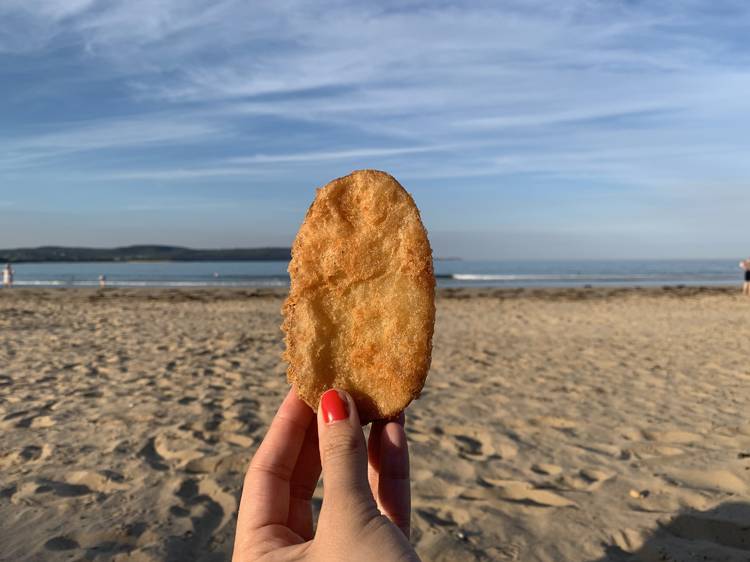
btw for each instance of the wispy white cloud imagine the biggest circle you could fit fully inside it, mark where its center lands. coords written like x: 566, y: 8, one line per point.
x: 335, y: 155
x: 178, y: 204
x: 405, y: 73
x: 572, y: 115
x: 257, y: 165
x: 165, y: 173
x: 650, y: 96
x: 121, y: 132
x: 105, y: 134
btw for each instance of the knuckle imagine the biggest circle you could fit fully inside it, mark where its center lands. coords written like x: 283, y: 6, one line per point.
x: 376, y: 524
x: 279, y: 471
x: 301, y: 491
x: 341, y: 445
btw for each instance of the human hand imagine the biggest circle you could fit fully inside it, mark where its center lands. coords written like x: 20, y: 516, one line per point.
x: 366, y: 498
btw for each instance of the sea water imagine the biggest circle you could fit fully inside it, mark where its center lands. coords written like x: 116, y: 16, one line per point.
x: 449, y: 273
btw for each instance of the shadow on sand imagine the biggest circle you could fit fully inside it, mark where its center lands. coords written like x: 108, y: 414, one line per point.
x: 721, y: 534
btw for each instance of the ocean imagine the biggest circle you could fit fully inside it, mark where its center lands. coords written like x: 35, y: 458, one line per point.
x: 449, y: 273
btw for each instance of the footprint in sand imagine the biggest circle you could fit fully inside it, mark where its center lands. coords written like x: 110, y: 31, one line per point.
x: 115, y: 543
x: 214, y: 421
x: 436, y: 489
x: 104, y: 482
x: 61, y: 489
x: 547, y: 469
x: 27, y: 416
x: 444, y: 517
x: 28, y: 454
x: 505, y: 553
x: 40, y: 422
x: 92, y: 393
x: 52, y: 377
x: 154, y: 459
x: 628, y: 540
x: 712, y: 480
x: 603, y: 449
x: 432, y: 517
x: 416, y: 436
x: 8, y: 419
x: 586, y: 479
x: 188, y: 489
x: 178, y: 446
x: 659, y: 499
x: 235, y: 463
x: 8, y: 491
x: 653, y: 450
x: 674, y: 437
x: 524, y: 492
x: 468, y: 445
x: 593, y: 475
x: 242, y: 441
x: 231, y: 425
x: 472, y: 443
x: 631, y: 433
x: 203, y: 509
x: 421, y: 474
x: 555, y: 422
x: 57, y: 544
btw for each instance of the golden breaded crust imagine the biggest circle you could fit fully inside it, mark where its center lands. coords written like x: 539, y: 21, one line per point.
x: 361, y: 308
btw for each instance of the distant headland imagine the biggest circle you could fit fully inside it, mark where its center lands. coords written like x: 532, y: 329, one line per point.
x: 141, y: 253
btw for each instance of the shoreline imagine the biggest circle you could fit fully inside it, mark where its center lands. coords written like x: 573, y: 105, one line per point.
x: 239, y: 293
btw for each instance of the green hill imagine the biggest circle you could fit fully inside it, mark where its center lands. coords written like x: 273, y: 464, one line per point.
x: 141, y: 253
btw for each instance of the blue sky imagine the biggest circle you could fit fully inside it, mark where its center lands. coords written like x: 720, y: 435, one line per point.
x: 571, y: 129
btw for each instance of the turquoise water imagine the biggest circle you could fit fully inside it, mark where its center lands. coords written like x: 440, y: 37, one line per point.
x: 456, y: 273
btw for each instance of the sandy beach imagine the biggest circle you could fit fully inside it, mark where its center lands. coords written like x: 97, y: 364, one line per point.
x: 582, y: 425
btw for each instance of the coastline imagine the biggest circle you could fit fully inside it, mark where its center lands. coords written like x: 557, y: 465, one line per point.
x: 239, y: 293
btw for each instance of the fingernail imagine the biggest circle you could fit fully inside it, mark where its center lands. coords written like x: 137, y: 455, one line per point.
x: 334, y: 408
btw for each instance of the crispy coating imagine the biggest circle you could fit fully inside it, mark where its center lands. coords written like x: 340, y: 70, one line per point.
x: 361, y: 308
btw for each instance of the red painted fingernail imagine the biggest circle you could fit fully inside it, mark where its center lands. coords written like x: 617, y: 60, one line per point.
x: 334, y: 408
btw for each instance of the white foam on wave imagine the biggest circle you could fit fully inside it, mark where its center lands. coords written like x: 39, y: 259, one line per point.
x: 35, y: 283
x: 566, y: 277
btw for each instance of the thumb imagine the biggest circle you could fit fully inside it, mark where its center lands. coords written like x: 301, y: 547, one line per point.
x: 343, y: 455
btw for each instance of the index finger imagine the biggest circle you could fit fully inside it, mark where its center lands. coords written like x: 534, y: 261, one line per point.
x: 265, y: 495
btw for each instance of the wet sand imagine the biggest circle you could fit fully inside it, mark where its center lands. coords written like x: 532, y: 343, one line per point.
x: 556, y: 425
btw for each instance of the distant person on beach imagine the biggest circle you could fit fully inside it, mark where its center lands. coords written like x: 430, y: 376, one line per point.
x: 745, y: 264
x: 366, y: 501
x: 8, y: 276
x: 102, y: 281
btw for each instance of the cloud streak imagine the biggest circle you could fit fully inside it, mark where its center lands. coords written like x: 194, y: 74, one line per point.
x: 336, y: 155
x: 105, y: 134
x: 481, y: 97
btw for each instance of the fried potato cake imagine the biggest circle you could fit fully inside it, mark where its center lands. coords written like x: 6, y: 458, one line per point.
x: 361, y: 308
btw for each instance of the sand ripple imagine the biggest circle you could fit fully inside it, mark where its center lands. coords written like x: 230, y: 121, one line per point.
x: 560, y: 425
